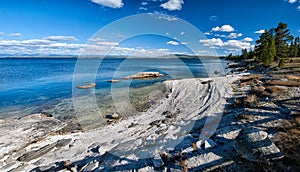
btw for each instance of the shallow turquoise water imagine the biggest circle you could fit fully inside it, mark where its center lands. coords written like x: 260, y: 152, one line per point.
x: 32, y: 85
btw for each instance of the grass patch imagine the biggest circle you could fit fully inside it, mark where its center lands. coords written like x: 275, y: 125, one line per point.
x: 276, y: 90
x: 283, y: 83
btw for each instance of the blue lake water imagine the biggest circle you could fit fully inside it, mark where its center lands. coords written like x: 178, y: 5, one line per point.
x: 31, y: 85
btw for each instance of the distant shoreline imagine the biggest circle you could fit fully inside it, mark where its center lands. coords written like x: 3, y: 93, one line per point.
x: 99, y: 57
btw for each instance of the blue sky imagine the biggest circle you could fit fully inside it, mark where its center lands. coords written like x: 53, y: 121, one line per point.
x: 64, y: 27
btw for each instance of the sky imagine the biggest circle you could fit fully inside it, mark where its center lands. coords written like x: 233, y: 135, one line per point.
x: 74, y: 27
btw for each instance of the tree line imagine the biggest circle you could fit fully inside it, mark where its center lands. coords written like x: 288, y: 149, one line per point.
x: 274, y: 45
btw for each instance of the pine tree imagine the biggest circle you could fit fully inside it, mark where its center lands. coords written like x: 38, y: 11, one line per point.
x: 293, y: 50
x: 282, y: 36
x: 297, y: 44
x: 245, y: 53
x: 265, y: 49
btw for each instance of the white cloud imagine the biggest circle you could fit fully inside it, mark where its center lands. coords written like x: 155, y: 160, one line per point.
x: 224, y: 28
x: 182, y: 33
x: 260, y: 31
x: 143, y: 8
x: 292, y: 1
x: 214, y: 42
x: 96, y: 39
x: 298, y: 7
x: 218, y: 35
x: 165, y: 17
x: 1, y: 33
x: 109, y: 3
x: 235, y: 35
x: 15, y: 34
x: 248, y: 39
x: 61, y: 38
x: 38, y: 46
x: 172, y: 5
x: 140, y: 52
x: 236, y: 45
x: 173, y: 43
x: 144, y: 3
x: 107, y: 43
x: 207, y: 33
x: 298, y: 30
x: 98, y: 46
x: 229, y: 45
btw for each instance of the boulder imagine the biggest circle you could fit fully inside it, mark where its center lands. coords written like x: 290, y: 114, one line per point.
x: 254, y: 145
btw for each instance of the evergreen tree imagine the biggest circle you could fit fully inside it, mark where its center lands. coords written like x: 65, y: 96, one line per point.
x: 251, y: 54
x: 282, y: 36
x: 265, y: 49
x: 293, y: 50
x: 245, y: 53
x: 297, y: 44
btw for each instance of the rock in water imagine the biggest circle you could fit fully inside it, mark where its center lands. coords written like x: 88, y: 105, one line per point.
x: 113, y: 80
x: 144, y: 75
x: 255, y: 145
x: 87, y: 86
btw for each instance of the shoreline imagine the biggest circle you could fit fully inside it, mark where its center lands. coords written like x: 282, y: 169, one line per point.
x: 180, y: 133
x: 149, y: 126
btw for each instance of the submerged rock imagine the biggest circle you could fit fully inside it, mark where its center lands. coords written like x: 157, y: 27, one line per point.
x: 255, y: 145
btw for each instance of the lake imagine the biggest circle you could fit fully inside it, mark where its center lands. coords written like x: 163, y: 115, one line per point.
x: 33, y: 85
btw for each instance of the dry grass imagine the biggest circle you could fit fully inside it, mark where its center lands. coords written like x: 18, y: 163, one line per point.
x: 242, y: 85
x: 250, y: 79
x: 292, y: 65
x: 297, y: 120
x: 283, y: 83
x: 251, y: 100
x: 292, y: 77
x: 289, y: 142
x: 247, y: 116
x: 294, y: 60
x: 287, y: 136
x: 277, y: 90
x: 184, y: 166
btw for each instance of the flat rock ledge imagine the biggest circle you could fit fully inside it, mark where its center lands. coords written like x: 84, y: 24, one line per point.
x: 145, y: 75
x: 17, y: 134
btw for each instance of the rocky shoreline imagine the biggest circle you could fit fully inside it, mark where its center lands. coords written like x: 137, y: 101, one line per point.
x: 201, y: 125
